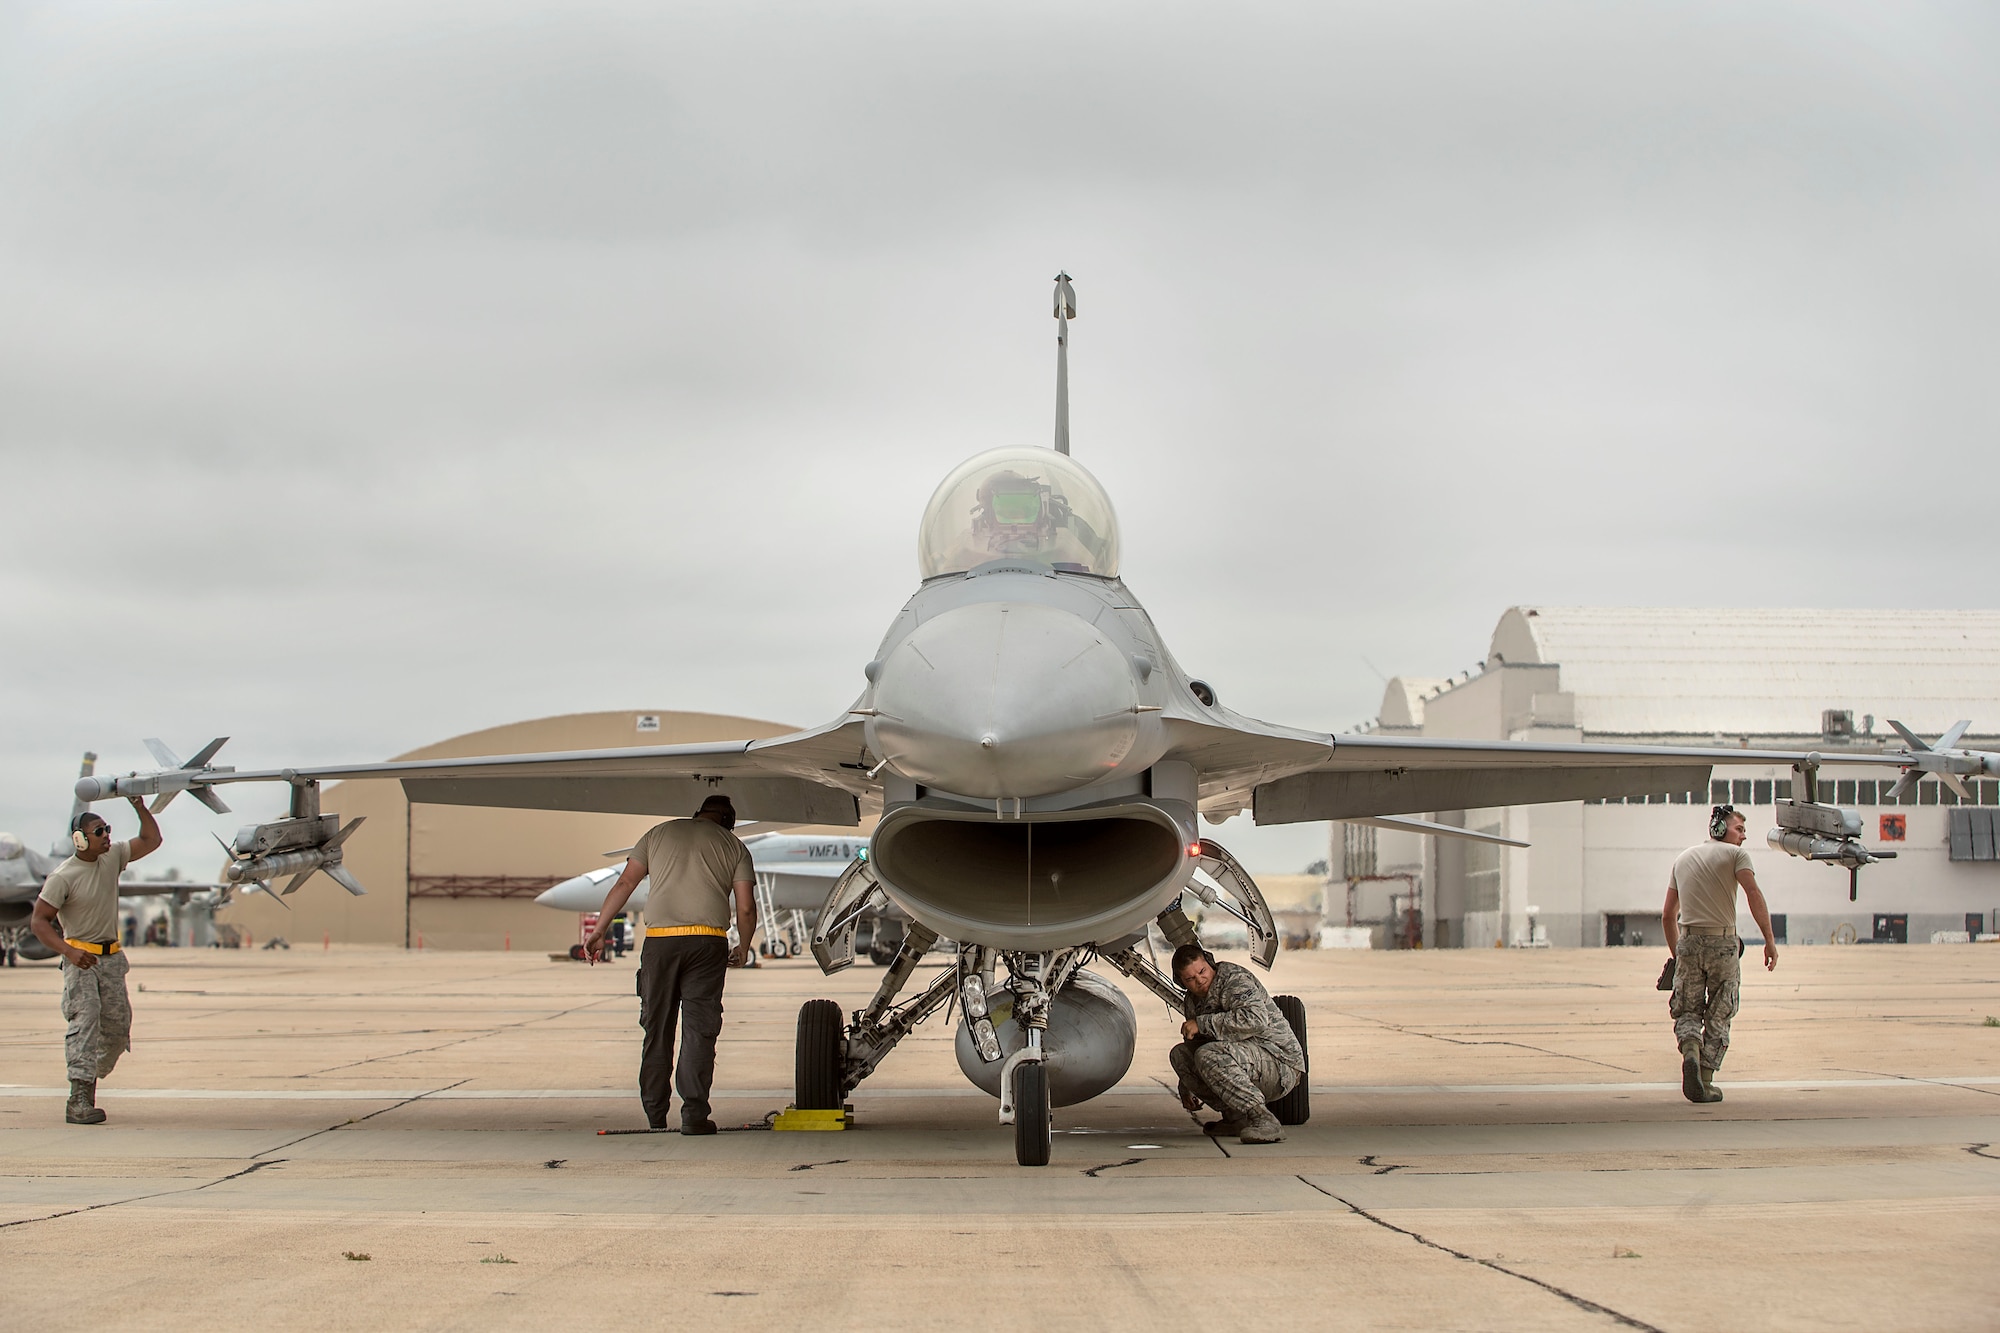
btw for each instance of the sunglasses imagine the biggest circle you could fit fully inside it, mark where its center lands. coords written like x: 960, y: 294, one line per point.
x: 97, y: 831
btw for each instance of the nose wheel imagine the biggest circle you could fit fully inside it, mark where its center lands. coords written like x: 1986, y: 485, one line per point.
x: 817, y: 1073
x: 1034, y: 1128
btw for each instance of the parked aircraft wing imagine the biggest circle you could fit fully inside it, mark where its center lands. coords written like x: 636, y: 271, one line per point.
x: 809, y: 777
x: 1277, y: 773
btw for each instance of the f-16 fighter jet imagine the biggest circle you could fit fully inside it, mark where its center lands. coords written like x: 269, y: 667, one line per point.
x: 1038, y: 761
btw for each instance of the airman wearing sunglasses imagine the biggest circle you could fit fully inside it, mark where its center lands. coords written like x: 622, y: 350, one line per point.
x: 76, y: 915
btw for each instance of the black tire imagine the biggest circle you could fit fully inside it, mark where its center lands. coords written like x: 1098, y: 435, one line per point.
x: 1032, y: 1129
x: 816, y: 1071
x: 1295, y: 1107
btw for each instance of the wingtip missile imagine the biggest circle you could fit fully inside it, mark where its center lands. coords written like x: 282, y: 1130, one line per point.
x: 1943, y: 759
x: 164, y: 783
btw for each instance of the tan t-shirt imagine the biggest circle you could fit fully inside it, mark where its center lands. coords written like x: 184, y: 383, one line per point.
x: 1705, y: 875
x: 692, y: 864
x: 85, y: 894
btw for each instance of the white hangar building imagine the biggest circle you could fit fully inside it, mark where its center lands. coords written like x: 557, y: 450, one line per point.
x: 1596, y: 872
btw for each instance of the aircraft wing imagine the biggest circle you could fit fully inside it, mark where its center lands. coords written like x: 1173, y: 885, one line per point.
x: 1289, y: 776
x: 145, y: 888
x: 807, y: 777
x: 806, y: 869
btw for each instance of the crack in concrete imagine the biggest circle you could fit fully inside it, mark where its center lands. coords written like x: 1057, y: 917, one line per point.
x: 1112, y: 1166
x: 1212, y: 1138
x: 1581, y: 1302
x: 1978, y: 1150
x: 460, y: 1041
x: 807, y: 1166
x: 1918, y: 1078
x: 140, y: 1198
x: 381, y: 1110
x: 1369, y: 1160
x: 1458, y: 1041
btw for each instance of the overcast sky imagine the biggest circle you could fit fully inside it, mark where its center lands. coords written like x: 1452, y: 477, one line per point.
x: 374, y: 373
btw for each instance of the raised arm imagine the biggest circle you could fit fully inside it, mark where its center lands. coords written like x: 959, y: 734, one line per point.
x: 149, y: 838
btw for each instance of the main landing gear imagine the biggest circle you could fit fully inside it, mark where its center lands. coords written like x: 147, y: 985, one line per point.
x: 833, y: 1056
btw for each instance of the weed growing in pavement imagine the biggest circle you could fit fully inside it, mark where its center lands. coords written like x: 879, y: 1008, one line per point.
x: 356, y: 1255
x: 496, y: 1259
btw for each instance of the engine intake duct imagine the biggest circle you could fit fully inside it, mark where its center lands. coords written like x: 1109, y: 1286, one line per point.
x: 1038, y: 882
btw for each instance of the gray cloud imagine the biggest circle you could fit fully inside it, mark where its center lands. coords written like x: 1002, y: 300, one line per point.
x: 370, y: 374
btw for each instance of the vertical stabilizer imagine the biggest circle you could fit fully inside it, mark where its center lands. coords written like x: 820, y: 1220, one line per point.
x: 1065, y: 312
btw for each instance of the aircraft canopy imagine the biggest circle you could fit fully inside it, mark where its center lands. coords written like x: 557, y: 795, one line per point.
x: 1031, y: 504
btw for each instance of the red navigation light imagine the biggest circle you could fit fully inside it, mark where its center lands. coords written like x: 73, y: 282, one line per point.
x: 1194, y: 850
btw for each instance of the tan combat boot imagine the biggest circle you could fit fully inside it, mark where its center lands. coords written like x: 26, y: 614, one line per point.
x: 1261, y: 1127
x: 82, y: 1108
x: 1710, y: 1093
x: 1691, y: 1070
x: 1229, y: 1126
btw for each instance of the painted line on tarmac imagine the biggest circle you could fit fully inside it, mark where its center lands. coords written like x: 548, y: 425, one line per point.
x: 864, y: 1092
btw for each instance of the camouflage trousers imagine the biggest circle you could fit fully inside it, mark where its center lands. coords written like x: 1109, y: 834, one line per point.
x: 99, y: 1015
x: 1708, y: 987
x: 1232, y: 1076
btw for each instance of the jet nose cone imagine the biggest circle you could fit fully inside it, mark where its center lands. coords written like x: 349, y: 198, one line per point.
x: 1005, y: 699
x: 571, y: 895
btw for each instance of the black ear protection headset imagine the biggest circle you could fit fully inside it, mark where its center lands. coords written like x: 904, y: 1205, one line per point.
x: 1718, y: 821
x: 1206, y: 956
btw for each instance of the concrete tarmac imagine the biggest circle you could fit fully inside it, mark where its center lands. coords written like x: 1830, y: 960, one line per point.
x: 363, y: 1138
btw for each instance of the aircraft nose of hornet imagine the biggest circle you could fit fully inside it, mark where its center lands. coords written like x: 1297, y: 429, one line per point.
x: 1005, y: 699
x: 572, y: 895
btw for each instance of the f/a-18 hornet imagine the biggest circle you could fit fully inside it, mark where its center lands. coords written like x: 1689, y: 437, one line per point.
x: 1038, y: 760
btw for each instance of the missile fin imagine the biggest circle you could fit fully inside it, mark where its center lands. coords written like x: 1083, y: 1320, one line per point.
x: 1957, y: 784
x: 342, y: 836
x: 206, y: 753
x: 207, y: 796
x: 1909, y: 737
x: 1904, y: 785
x: 163, y: 800
x: 297, y: 880
x: 161, y: 754
x: 338, y: 874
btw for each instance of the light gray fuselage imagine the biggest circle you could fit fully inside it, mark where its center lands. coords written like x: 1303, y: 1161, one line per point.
x: 1026, y: 804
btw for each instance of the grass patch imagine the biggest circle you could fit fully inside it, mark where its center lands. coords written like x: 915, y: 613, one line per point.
x: 356, y: 1255
x: 1991, y: 1022
x: 1620, y: 1252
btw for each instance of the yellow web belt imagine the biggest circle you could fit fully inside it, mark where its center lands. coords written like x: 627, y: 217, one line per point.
x: 109, y: 946
x: 687, y: 930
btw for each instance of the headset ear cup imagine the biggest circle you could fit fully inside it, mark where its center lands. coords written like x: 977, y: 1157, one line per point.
x: 78, y: 841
